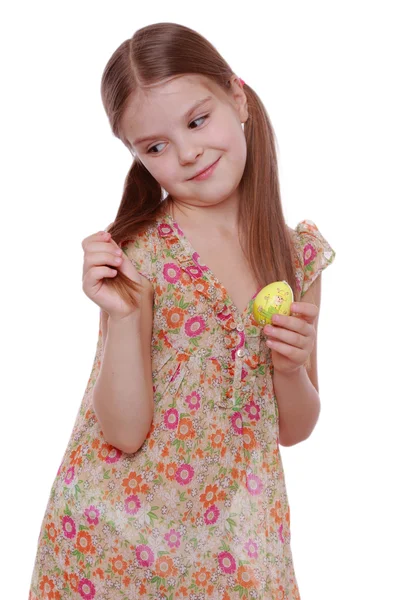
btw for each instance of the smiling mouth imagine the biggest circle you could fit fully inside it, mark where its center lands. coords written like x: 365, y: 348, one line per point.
x: 204, y: 170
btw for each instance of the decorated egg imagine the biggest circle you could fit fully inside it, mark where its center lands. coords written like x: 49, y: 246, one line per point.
x: 275, y: 298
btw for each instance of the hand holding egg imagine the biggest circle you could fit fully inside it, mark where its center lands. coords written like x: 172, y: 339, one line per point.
x: 293, y: 337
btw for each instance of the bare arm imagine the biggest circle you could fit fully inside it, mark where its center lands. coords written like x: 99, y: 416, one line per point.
x: 123, y: 392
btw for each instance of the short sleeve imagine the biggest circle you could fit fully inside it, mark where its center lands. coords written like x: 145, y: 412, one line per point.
x: 314, y: 252
x: 141, y: 251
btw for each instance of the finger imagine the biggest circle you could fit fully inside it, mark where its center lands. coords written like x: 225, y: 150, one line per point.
x: 294, y: 354
x: 306, y: 310
x: 93, y: 259
x: 100, y: 235
x: 95, y: 275
x: 103, y: 246
x: 297, y: 340
x: 292, y: 323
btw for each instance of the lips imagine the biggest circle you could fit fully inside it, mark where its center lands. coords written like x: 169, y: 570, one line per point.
x: 205, y: 169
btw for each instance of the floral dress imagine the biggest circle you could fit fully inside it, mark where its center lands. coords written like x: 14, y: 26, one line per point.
x: 200, y: 511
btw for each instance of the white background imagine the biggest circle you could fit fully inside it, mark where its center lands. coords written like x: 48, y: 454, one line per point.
x: 327, y: 73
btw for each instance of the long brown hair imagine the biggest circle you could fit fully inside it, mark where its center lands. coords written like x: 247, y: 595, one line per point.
x: 163, y: 50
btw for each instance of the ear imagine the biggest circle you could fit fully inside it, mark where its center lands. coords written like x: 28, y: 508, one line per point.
x: 239, y: 97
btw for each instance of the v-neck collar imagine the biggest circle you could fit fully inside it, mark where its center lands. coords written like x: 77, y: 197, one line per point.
x: 206, y: 271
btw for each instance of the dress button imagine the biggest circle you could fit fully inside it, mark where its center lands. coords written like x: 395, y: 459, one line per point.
x: 232, y: 325
x: 240, y: 352
x: 237, y: 385
x: 240, y: 327
x: 199, y: 287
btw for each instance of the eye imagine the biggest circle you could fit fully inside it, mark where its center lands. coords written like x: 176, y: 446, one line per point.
x: 198, y: 119
x: 149, y: 151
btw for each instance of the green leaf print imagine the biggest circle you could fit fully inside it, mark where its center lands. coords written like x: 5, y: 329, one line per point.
x: 79, y: 555
x: 225, y: 547
x: 230, y: 524
x: 106, y: 474
x: 67, y: 511
x: 183, y: 304
x: 152, y: 516
x: 241, y: 590
x: 142, y: 539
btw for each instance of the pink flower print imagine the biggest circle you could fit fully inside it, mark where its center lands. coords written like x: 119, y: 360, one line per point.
x: 184, y: 474
x: 132, y: 504
x: 164, y: 230
x: 244, y: 373
x: 92, y: 515
x: 179, y: 230
x: 196, y: 259
x: 195, y: 326
x: 68, y: 526
x: 171, y: 418
x: 173, y: 538
x: 252, y: 549
x: 280, y: 530
x: 193, y: 400
x: 211, y: 515
x: 227, y: 562
x: 194, y: 271
x: 86, y: 589
x: 254, y: 485
x: 309, y: 253
x: 69, y: 475
x: 171, y: 272
x: 253, y: 410
x: 145, y: 555
x: 237, y: 422
x: 108, y: 453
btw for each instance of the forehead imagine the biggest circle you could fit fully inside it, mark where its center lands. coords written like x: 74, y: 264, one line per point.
x: 152, y: 109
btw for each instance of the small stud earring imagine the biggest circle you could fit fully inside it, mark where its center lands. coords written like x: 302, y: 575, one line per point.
x: 243, y: 126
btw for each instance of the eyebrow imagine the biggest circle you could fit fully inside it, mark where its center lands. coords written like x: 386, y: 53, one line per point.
x: 185, y: 116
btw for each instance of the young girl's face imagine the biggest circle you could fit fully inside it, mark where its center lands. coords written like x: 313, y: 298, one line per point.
x: 180, y: 144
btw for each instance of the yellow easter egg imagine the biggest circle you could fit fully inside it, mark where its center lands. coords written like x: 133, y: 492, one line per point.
x: 274, y: 298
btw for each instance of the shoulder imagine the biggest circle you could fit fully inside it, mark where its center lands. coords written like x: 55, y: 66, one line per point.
x: 312, y: 250
x: 141, y: 249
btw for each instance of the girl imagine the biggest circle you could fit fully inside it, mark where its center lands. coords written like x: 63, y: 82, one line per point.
x: 172, y: 483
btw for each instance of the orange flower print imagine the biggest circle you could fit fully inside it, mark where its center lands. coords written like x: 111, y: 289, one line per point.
x: 217, y: 438
x: 170, y: 471
x: 118, y: 565
x: 209, y: 496
x: 46, y: 586
x: 249, y: 441
x: 132, y: 483
x: 278, y: 593
x: 202, y: 288
x: 76, y: 456
x: 175, y: 317
x: 202, y: 577
x: 185, y: 429
x: 164, y: 567
x: 246, y: 577
x: 84, y: 543
x: 276, y: 512
x: 51, y: 532
x: 109, y: 454
x: 73, y: 582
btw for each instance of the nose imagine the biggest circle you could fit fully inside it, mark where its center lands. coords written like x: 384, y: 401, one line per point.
x: 189, y: 152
